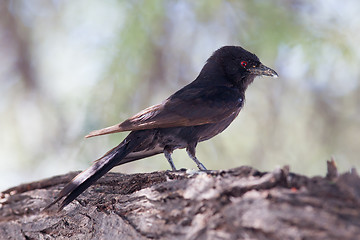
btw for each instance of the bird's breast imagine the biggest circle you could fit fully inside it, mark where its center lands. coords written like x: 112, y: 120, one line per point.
x: 210, y: 130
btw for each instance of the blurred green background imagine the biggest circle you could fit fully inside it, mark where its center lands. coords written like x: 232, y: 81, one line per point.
x: 69, y: 67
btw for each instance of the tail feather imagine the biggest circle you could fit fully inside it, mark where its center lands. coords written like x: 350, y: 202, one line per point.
x: 83, y: 180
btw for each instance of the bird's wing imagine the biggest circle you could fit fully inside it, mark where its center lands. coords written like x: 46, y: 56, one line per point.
x: 187, y: 107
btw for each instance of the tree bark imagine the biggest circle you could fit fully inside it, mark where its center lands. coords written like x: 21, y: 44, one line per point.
x: 240, y: 203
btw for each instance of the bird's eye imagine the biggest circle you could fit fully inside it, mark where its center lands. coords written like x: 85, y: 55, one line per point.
x: 243, y: 63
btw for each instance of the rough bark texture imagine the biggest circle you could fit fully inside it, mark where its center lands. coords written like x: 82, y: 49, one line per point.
x: 240, y: 203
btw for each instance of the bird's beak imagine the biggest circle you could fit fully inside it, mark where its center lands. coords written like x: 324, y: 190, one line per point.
x: 263, y: 70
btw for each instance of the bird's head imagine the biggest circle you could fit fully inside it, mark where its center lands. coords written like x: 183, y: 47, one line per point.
x: 239, y: 66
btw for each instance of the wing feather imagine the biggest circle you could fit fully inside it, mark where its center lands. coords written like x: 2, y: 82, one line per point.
x: 187, y: 107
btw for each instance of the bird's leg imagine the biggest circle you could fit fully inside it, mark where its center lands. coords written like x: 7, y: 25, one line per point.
x: 191, y: 152
x: 168, y: 151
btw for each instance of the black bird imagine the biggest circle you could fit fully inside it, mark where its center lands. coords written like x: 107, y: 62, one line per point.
x: 195, y: 113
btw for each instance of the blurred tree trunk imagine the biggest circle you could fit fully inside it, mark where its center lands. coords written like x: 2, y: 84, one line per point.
x: 15, y: 39
x: 240, y: 203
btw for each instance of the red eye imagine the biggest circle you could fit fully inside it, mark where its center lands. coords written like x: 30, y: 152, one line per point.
x: 243, y: 63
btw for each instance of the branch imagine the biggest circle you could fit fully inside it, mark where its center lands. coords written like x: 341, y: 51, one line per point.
x: 240, y: 203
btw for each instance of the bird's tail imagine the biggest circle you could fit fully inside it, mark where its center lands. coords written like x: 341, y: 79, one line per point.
x: 101, y: 166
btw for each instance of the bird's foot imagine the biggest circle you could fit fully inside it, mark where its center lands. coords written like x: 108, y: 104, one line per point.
x: 201, y: 166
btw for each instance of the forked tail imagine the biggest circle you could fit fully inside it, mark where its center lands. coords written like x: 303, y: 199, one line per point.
x: 101, y: 166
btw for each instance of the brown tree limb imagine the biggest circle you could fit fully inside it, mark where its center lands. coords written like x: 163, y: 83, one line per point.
x: 240, y: 203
